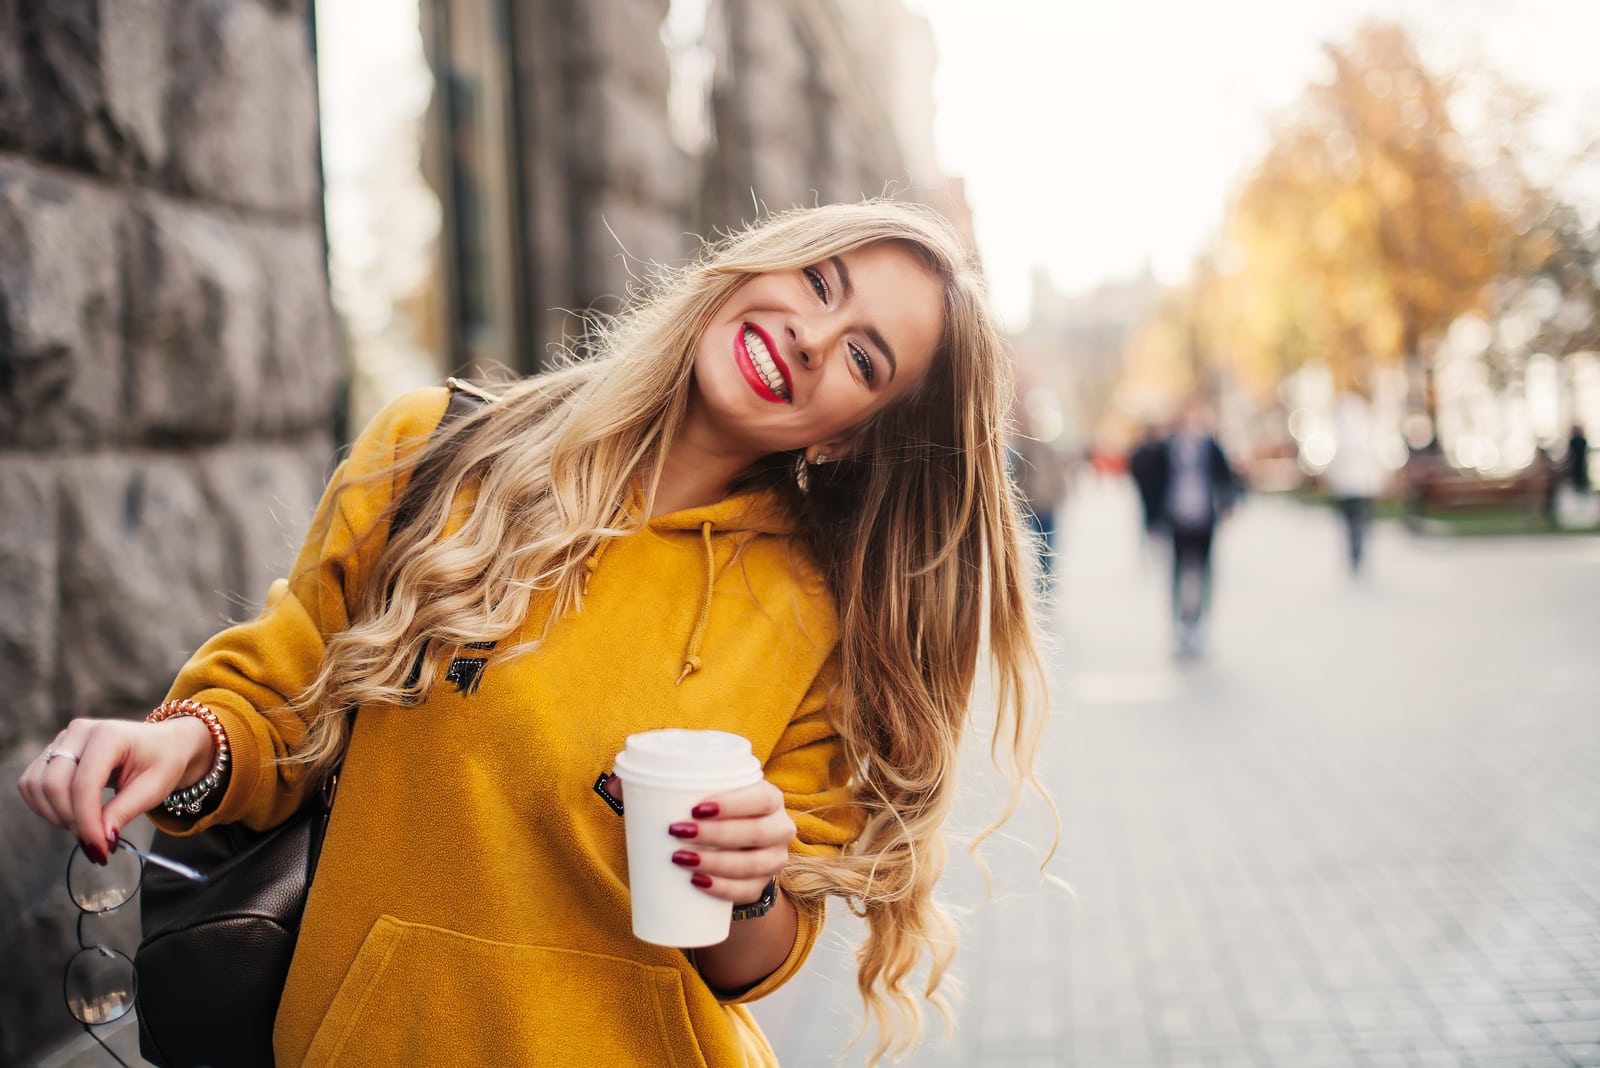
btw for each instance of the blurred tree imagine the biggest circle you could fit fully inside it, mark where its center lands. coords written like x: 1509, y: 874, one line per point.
x: 1370, y: 224
x: 1558, y: 299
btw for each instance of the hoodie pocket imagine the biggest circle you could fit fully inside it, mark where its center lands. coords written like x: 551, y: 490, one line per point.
x: 420, y: 995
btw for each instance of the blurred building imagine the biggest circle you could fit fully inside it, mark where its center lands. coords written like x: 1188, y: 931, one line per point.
x: 1078, y: 344
x: 574, y: 145
x: 172, y: 372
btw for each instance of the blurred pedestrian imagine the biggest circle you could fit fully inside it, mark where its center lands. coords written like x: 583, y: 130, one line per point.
x: 1578, y: 459
x: 1040, y: 472
x: 1354, y: 477
x: 1197, y: 488
x: 1144, y: 467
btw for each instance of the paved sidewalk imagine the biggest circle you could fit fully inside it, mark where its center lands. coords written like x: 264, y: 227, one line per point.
x: 1365, y: 830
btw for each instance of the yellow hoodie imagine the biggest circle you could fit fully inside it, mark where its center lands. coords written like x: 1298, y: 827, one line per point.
x: 471, y: 902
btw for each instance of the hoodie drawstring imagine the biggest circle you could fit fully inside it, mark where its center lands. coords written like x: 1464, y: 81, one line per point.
x: 691, y: 657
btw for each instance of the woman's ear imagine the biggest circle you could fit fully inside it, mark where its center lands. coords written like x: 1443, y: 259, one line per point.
x: 832, y: 449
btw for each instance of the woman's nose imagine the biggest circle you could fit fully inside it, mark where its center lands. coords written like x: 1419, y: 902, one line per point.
x: 802, y: 349
x: 810, y: 341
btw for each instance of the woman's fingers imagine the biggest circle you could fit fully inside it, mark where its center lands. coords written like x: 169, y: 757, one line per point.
x: 57, y: 767
x: 105, y: 750
x: 733, y: 891
x: 757, y: 864
x: 734, y: 832
x: 735, y: 841
x: 757, y: 799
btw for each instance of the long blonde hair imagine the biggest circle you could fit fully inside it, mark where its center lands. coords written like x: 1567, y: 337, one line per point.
x: 917, y: 532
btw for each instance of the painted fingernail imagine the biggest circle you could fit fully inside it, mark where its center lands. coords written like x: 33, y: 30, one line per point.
x: 683, y: 830
x: 115, y: 839
x: 686, y: 858
x: 705, y: 810
x: 700, y: 879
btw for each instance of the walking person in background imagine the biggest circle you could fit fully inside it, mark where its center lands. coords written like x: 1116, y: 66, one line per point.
x: 771, y: 504
x: 1145, y: 464
x: 1578, y: 459
x: 1040, y: 472
x: 1197, y: 488
x: 1354, y: 477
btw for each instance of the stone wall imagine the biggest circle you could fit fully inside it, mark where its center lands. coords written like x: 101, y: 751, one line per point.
x: 604, y: 191
x: 169, y: 372
x: 803, y: 107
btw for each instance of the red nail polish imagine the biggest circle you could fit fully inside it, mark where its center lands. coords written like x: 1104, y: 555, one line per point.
x: 683, y: 830
x: 116, y: 840
x: 705, y: 810
x: 686, y: 858
x: 700, y: 879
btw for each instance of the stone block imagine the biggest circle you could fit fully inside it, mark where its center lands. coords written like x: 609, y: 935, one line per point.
x: 14, y: 108
x: 304, y: 365
x: 28, y: 607
x: 244, y: 130
x: 647, y: 237
x: 143, y: 579
x: 622, y: 39
x: 135, y: 69
x: 626, y: 147
x: 61, y: 375
x: 771, y: 46
x: 263, y: 498
x: 96, y: 78
x: 196, y: 322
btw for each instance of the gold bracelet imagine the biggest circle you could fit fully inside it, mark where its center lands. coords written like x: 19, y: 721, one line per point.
x: 187, y: 801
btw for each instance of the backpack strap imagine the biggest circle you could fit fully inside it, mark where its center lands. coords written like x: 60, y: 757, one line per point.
x: 465, y: 398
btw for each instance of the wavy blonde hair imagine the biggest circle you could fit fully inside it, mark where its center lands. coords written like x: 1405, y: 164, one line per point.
x: 917, y: 531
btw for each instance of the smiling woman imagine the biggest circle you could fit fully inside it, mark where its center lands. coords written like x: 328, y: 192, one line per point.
x: 615, y: 547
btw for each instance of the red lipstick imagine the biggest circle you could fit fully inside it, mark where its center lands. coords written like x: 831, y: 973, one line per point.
x: 747, y: 367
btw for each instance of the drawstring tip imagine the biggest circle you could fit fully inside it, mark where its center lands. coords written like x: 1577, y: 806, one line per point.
x: 690, y: 666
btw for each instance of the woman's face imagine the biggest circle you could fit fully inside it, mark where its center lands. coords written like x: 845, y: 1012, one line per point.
x: 802, y: 358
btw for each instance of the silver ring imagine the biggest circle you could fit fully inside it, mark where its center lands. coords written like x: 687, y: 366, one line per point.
x: 51, y: 753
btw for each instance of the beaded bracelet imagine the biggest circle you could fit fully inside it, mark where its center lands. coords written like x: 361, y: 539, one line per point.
x: 187, y: 801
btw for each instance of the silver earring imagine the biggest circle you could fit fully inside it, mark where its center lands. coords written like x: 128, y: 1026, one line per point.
x: 822, y: 458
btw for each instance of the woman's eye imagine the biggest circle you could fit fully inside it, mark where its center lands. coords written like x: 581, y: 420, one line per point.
x: 819, y: 284
x: 863, y: 361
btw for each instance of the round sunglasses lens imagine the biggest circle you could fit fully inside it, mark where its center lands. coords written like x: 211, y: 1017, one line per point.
x: 100, y: 889
x: 99, y: 985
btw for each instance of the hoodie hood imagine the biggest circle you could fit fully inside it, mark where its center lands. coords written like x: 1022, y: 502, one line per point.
x: 757, y: 511
x: 740, y: 516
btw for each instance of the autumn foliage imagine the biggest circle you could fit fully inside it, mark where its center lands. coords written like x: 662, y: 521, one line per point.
x: 1367, y: 228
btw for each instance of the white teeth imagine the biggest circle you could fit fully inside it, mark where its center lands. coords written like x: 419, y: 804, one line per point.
x: 765, y: 367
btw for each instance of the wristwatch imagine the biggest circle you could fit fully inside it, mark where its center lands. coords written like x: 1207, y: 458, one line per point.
x: 761, y: 906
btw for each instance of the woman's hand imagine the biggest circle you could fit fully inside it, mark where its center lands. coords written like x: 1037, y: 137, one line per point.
x: 735, y: 841
x: 142, y: 762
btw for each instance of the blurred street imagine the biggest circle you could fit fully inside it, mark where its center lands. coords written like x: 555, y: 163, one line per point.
x: 1364, y: 830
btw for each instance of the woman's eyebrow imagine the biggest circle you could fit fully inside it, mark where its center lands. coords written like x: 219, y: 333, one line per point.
x: 846, y: 291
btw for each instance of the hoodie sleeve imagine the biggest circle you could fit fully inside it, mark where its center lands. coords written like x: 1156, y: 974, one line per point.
x: 808, y: 765
x: 249, y: 672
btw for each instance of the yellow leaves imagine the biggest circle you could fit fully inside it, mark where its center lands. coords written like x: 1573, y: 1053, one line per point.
x: 1365, y: 227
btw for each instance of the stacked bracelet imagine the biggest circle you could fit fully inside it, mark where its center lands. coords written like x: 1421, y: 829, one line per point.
x: 187, y: 801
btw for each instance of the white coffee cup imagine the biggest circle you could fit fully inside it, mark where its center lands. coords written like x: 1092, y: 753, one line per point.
x: 664, y: 775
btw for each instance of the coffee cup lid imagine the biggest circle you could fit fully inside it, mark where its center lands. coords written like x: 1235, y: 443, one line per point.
x: 688, y: 758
